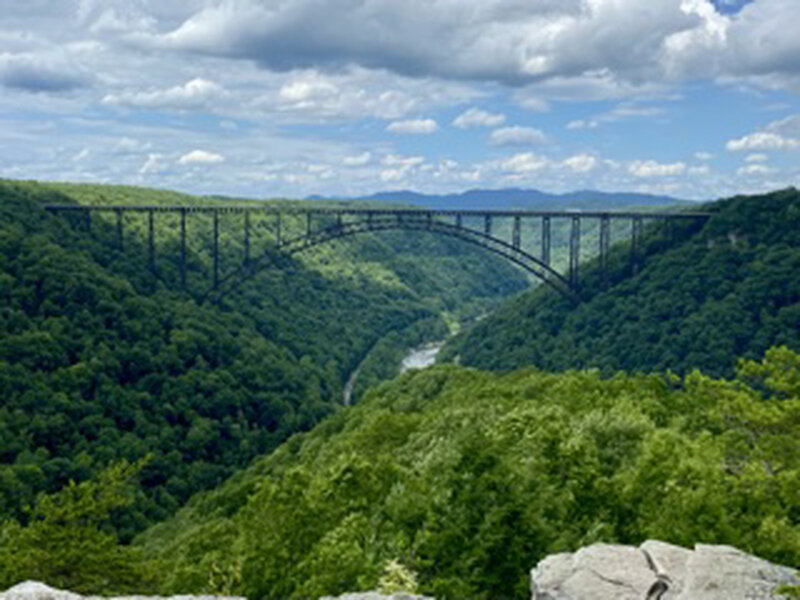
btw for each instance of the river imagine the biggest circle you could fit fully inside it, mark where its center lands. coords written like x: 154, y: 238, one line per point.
x: 417, y: 358
x: 421, y: 357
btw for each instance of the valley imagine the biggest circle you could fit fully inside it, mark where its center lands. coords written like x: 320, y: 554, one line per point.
x: 290, y: 439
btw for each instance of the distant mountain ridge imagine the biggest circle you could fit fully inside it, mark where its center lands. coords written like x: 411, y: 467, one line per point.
x: 517, y: 198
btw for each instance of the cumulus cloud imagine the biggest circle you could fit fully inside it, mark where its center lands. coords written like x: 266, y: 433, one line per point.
x: 392, y: 160
x: 517, y: 136
x: 755, y: 169
x: 500, y: 40
x: 755, y: 158
x: 651, y: 168
x: 41, y: 72
x: 699, y: 170
x: 525, y: 162
x: 703, y: 155
x: 581, y: 163
x: 359, y: 160
x: 200, y: 157
x: 153, y: 164
x: 763, y: 140
x: 196, y: 93
x: 414, y: 126
x: 475, y: 117
x: 582, y: 124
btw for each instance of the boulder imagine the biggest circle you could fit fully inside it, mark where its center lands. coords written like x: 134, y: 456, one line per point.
x: 33, y: 590
x: 658, y: 571
x: 376, y: 596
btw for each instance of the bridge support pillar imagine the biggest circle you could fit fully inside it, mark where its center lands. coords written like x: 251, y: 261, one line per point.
x: 487, y: 224
x: 216, y: 249
x: 120, y: 241
x: 459, y: 222
x: 574, y: 251
x: 183, y: 247
x: 516, y: 238
x: 151, y: 241
x: 605, y: 243
x: 636, y: 236
x: 246, y: 238
x: 546, y: 240
x: 87, y: 219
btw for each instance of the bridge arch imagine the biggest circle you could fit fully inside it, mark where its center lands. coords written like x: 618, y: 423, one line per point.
x: 408, y: 222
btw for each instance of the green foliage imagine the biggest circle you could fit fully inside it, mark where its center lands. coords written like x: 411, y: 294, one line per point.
x: 68, y: 541
x: 397, y: 578
x: 467, y: 478
x: 731, y: 291
x: 100, y: 362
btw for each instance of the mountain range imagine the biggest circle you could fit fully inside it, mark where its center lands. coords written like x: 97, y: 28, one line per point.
x: 516, y: 198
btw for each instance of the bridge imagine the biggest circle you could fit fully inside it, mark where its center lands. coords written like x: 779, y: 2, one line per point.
x: 321, y: 225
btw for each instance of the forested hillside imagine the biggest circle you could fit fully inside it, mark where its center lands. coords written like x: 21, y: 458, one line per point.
x: 101, y: 362
x: 731, y: 291
x: 467, y: 478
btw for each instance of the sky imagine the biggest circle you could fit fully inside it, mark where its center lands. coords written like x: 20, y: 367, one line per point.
x: 697, y: 99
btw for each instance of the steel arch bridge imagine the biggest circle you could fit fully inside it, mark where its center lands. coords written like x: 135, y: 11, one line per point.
x: 322, y: 225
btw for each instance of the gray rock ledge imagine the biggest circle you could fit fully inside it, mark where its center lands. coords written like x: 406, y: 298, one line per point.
x: 658, y: 571
x: 33, y: 590
x: 376, y: 596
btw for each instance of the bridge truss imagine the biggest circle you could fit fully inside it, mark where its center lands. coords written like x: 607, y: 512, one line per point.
x: 322, y: 225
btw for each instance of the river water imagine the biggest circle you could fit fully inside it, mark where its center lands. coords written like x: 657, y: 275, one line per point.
x: 418, y: 358
x: 421, y: 357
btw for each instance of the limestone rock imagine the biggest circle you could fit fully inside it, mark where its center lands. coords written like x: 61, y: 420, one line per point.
x: 658, y: 571
x: 376, y: 596
x: 33, y: 590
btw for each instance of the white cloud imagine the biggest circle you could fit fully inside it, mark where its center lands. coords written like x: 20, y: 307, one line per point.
x: 197, y: 93
x: 475, y: 117
x: 414, y: 126
x: 358, y: 160
x: 500, y: 40
x: 201, y: 157
x: 581, y: 124
x: 153, y: 164
x: 525, y: 162
x: 581, y: 163
x: 82, y: 155
x: 703, y: 155
x: 533, y: 103
x: 304, y: 90
x: 699, y: 170
x: 651, y: 168
x: 391, y: 160
x: 43, y: 71
x: 763, y: 140
x: 517, y: 136
x: 755, y: 158
x: 755, y: 169
x: 392, y: 175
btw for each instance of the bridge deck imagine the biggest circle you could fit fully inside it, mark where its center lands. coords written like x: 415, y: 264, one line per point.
x: 383, y: 211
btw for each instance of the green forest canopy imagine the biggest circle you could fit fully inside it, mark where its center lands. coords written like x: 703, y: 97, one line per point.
x: 731, y: 291
x: 468, y: 478
x: 99, y: 362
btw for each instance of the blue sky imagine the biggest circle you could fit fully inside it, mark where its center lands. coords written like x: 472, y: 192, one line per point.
x: 266, y: 98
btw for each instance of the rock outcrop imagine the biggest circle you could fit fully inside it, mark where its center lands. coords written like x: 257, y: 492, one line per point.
x: 33, y: 590
x: 376, y: 596
x: 658, y: 571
